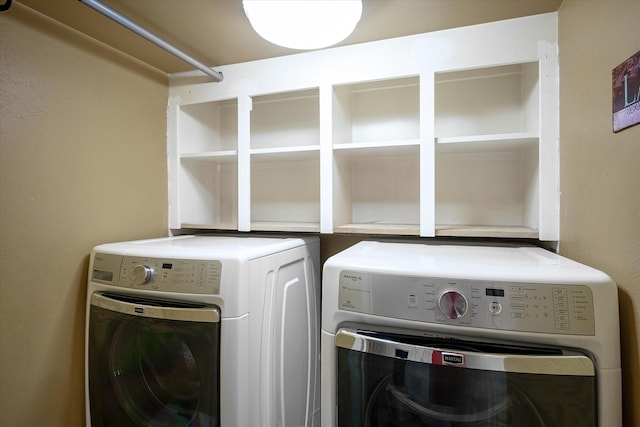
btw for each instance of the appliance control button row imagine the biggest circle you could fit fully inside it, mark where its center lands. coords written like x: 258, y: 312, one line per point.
x: 489, y: 304
x: 171, y: 275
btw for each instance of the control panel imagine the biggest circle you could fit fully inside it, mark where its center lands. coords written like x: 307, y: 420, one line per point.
x: 526, y: 307
x: 159, y: 274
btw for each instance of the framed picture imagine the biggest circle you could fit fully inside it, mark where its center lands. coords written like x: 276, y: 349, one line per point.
x: 626, y: 93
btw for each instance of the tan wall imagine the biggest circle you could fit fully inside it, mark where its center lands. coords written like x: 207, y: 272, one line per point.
x: 82, y: 162
x: 600, y: 170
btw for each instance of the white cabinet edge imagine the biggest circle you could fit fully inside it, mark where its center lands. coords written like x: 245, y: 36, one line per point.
x: 173, y: 160
x: 550, y: 141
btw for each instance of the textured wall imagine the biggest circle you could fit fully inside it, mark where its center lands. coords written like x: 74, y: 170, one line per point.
x: 82, y: 162
x: 600, y: 170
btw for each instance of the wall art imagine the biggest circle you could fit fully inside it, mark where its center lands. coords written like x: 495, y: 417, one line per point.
x: 626, y: 93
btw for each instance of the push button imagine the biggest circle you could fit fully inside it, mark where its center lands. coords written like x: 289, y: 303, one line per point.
x: 495, y: 308
x: 412, y: 301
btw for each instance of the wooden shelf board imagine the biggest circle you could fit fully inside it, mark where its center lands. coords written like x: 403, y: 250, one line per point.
x: 303, y: 227
x: 220, y: 226
x: 508, y: 231
x: 391, y: 229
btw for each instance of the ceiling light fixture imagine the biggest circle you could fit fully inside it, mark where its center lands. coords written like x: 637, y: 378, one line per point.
x: 303, y: 24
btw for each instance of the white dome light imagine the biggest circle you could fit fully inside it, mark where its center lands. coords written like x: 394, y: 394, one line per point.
x: 303, y: 24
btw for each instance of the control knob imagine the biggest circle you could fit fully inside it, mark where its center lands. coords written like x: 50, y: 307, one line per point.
x: 141, y: 274
x: 453, y: 304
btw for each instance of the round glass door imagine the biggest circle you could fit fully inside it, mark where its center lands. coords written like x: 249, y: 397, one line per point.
x: 153, y: 372
x: 411, y: 395
x: 387, y: 380
x: 155, y: 375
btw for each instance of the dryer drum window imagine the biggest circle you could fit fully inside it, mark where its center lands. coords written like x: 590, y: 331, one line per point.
x: 147, y: 371
x: 382, y: 382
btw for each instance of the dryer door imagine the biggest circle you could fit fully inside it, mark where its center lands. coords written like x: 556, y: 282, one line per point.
x: 404, y: 381
x: 153, y: 363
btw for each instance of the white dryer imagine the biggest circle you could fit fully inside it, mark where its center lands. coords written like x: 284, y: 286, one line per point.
x: 203, y: 331
x: 467, y: 335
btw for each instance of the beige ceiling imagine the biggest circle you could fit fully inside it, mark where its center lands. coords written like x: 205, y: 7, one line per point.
x: 216, y: 32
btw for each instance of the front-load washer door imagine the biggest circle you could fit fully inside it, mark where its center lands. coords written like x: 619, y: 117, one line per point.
x: 405, y: 381
x: 153, y: 363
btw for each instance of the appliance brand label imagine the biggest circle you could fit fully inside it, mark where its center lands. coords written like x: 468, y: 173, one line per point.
x: 452, y: 359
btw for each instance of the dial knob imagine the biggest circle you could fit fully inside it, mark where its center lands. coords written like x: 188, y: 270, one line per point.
x: 453, y: 304
x: 141, y: 274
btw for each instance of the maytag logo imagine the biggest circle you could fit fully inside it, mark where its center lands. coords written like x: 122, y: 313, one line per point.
x: 452, y: 359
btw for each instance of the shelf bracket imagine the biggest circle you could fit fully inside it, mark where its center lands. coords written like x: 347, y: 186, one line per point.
x: 127, y: 23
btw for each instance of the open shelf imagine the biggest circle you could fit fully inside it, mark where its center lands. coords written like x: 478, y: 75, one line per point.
x: 208, y: 127
x: 377, y: 111
x: 487, y: 189
x: 285, y: 161
x: 208, y: 192
x: 285, y: 191
x: 487, y: 152
x: 376, y: 190
x: 501, y: 100
x: 285, y: 120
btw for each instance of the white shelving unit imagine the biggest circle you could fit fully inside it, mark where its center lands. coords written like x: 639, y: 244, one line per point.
x: 438, y: 134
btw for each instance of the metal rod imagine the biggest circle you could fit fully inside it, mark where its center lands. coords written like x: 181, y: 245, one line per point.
x: 122, y: 20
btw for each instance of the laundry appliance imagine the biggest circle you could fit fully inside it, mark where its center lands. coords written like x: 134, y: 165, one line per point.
x: 448, y: 334
x: 204, y: 331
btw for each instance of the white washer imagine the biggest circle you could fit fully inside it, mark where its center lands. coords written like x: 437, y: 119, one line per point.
x: 204, y: 331
x: 467, y: 335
